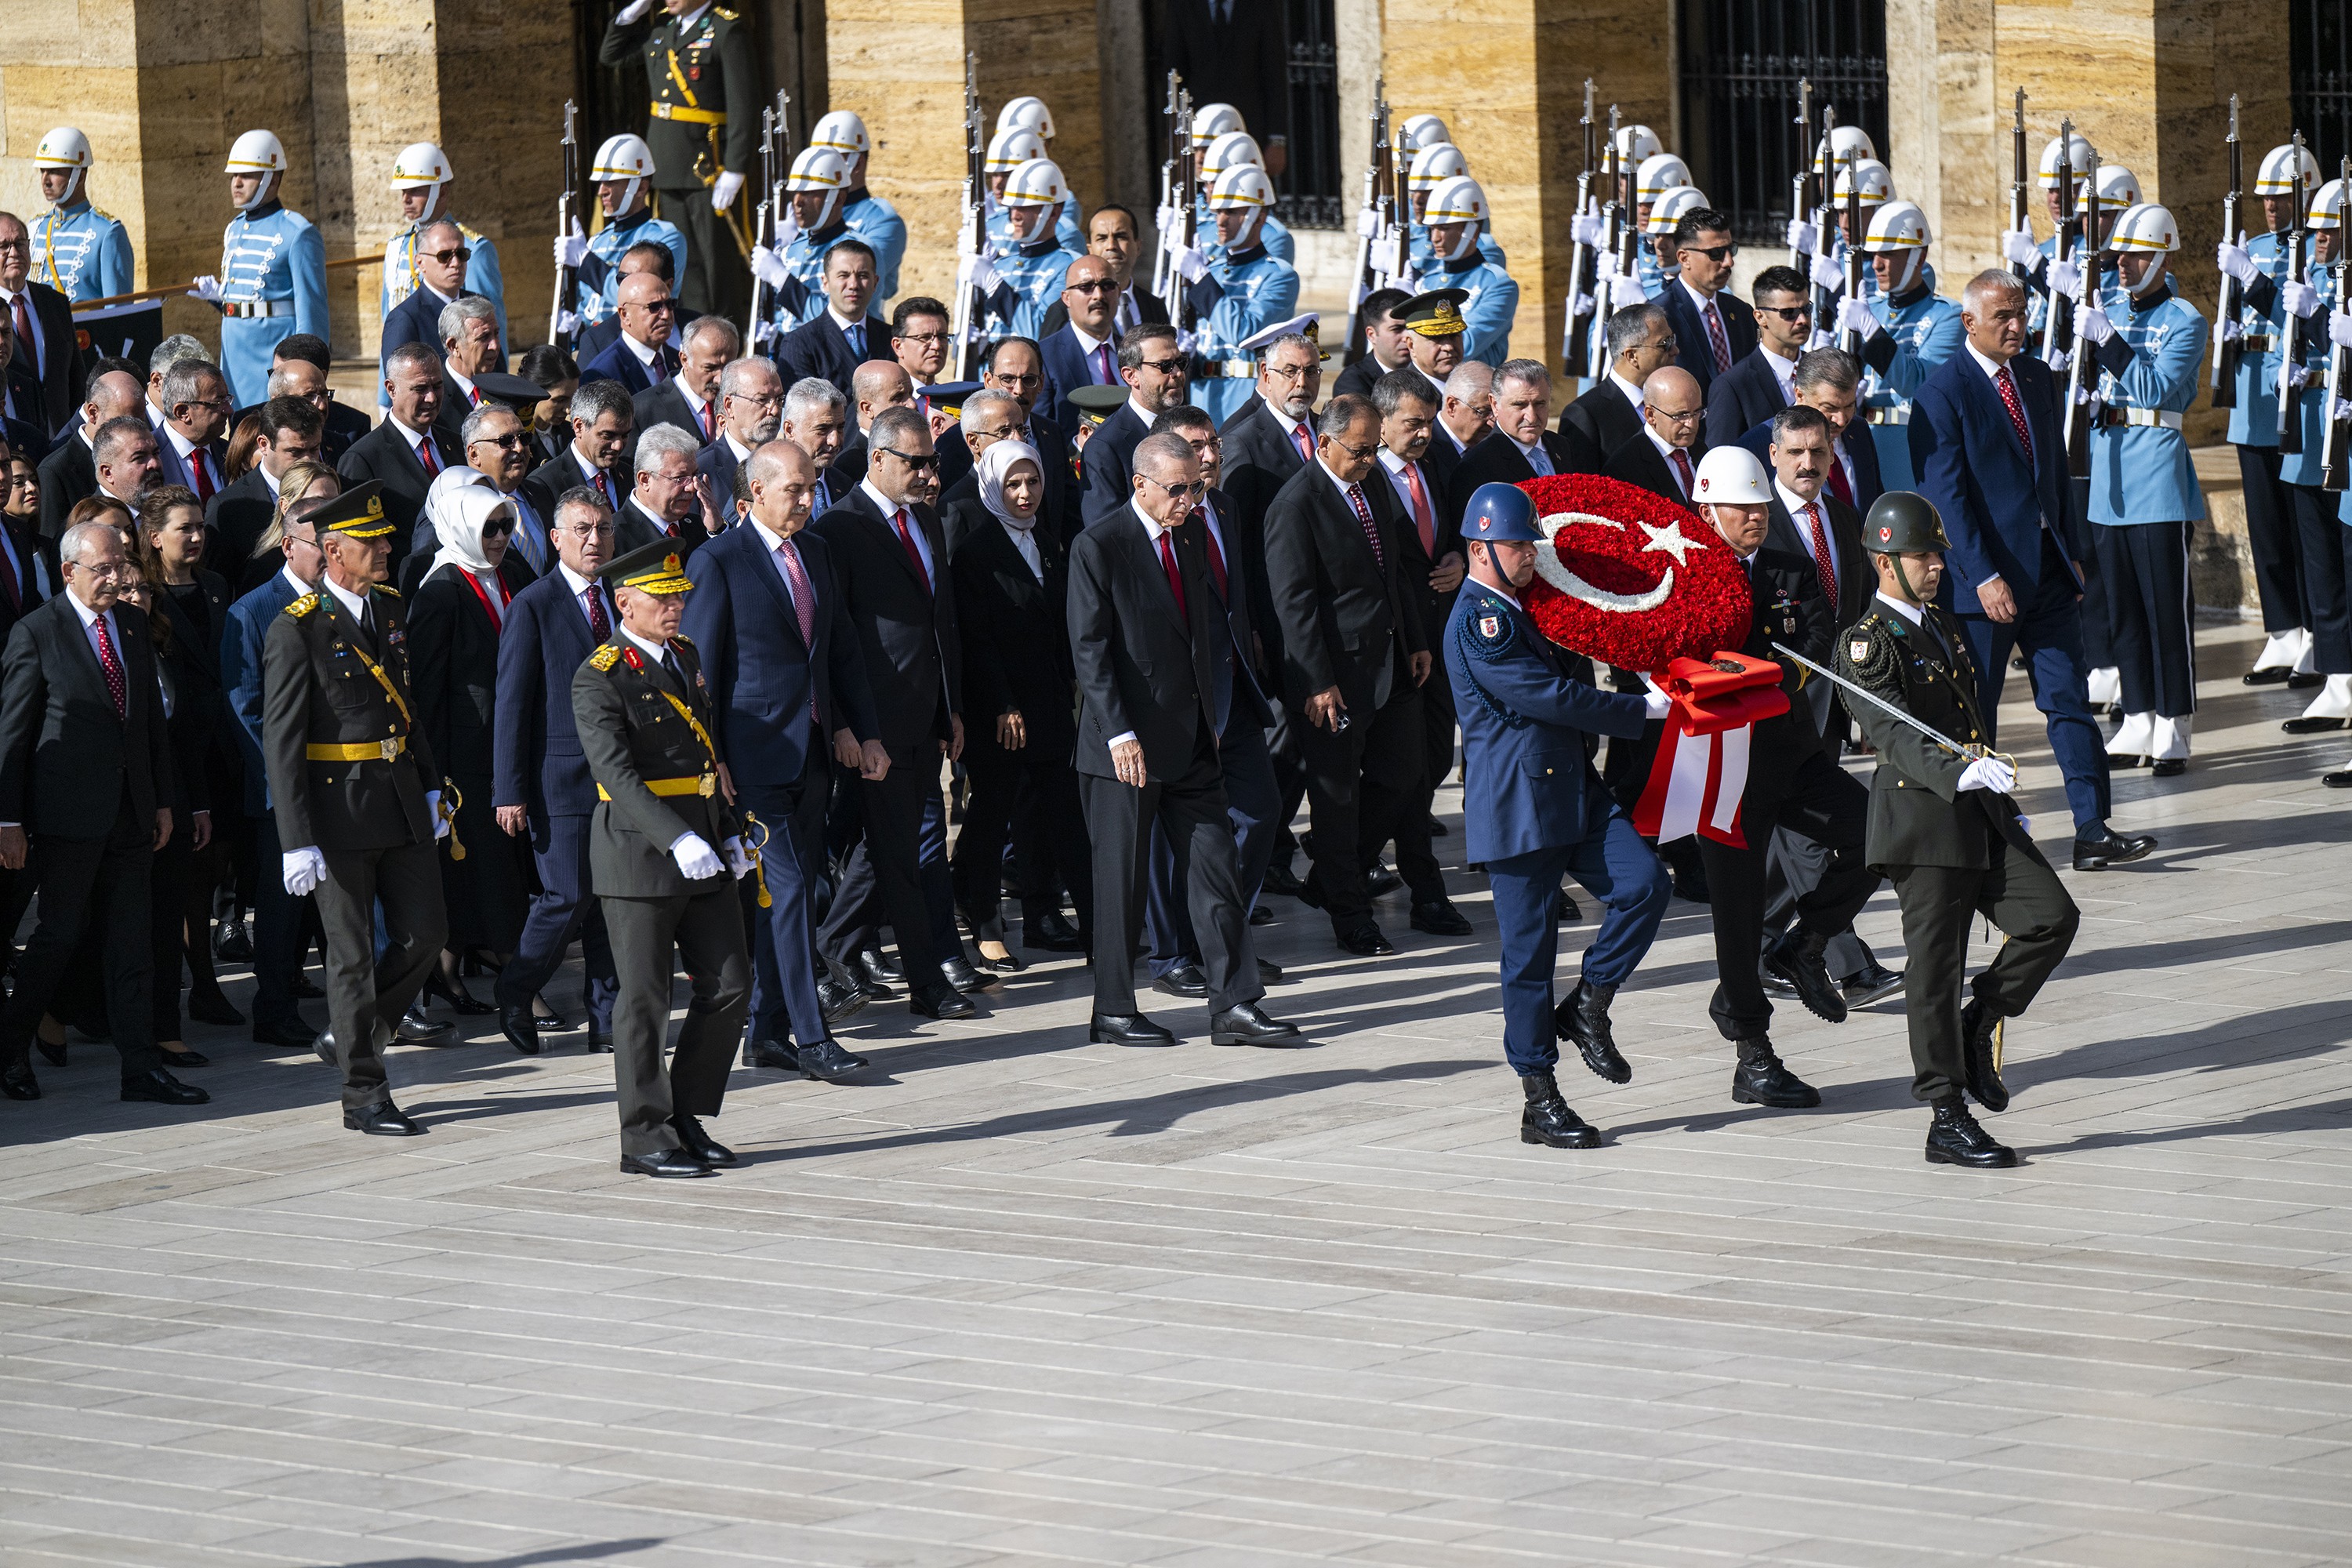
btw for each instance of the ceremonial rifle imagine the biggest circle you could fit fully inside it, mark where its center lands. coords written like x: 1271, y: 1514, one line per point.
x: 1575, y: 347
x: 1175, y: 293
x: 1613, y: 218
x: 2019, y: 216
x: 1851, y: 340
x: 1177, y: 143
x: 2227, y: 349
x: 1800, y: 194
x: 2332, y: 475
x: 971, y: 241
x: 566, y: 278
x: 2082, y: 381
x: 2058, y: 325
x: 2290, y: 376
x: 764, y: 220
x: 1373, y: 223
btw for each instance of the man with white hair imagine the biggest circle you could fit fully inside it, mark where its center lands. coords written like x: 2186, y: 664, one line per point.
x: 671, y: 498
x: 816, y: 420
x: 688, y: 399
x: 749, y: 405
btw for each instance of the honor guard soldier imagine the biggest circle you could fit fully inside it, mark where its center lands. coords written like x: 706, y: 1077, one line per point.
x: 1457, y: 216
x: 80, y: 251
x: 2318, y: 529
x: 1234, y: 150
x: 273, y: 276
x: 2287, y: 176
x: 1659, y: 175
x: 1907, y: 331
x: 817, y: 184
x: 1240, y: 296
x: 421, y: 177
x: 1660, y: 255
x: 622, y: 175
x: 704, y: 133
x: 1023, y: 277
x: 1008, y: 150
x: 1431, y: 166
x: 1944, y: 830
x: 869, y: 218
x: 660, y: 846
x: 1848, y: 146
x: 2037, y: 261
x: 2149, y: 344
x: 357, y: 795
x: 1031, y: 114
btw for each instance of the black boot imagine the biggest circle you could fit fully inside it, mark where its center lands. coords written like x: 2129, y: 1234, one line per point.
x: 1582, y: 1016
x: 1981, y: 1048
x: 1761, y: 1079
x: 1547, y: 1119
x: 1955, y: 1139
x: 1796, y: 958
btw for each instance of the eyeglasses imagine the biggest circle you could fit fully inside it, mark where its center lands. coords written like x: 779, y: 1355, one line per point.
x: 1098, y: 285
x: 1191, y: 492
x: 1358, y: 453
x: 515, y: 441
x: 1164, y: 366
x: 926, y: 339
x: 1289, y: 372
x: 1792, y: 313
x: 1013, y: 430
x: 1009, y: 382
x: 1664, y: 345
x: 589, y: 529
x: 924, y: 464
x: 1716, y: 253
x: 446, y: 256
x: 758, y: 400
x: 1672, y: 417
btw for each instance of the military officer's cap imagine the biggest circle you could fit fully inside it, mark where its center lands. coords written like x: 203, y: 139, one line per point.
x: 1501, y: 514
x: 947, y: 396
x: 1310, y: 326
x: 515, y: 392
x: 357, y: 514
x: 1903, y: 522
x: 655, y: 568
x: 1097, y: 403
x: 1436, y: 314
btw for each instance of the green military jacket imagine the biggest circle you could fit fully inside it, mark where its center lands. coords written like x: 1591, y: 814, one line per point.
x: 649, y: 747
x: 694, y: 74
x: 348, y: 768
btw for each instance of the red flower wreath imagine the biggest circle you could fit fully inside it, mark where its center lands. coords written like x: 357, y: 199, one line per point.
x: 1629, y: 578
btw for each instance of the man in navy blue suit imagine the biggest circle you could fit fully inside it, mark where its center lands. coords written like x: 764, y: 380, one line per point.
x: 845, y: 333
x: 1759, y: 386
x: 1986, y: 442
x: 539, y: 779
x: 642, y: 355
x: 1829, y: 381
x: 787, y: 686
x: 1084, y: 352
x: 1155, y: 373
x: 1713, y: 331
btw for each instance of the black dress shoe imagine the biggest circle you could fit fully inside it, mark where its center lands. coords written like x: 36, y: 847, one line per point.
x: 1268, y: 971
x: 2316, y: 726
x: 1282, y: 879
x: 212, y: 1007
x: 16, y: 1079
x: 1760, y: 1078
x: 1380, y: 881
x: 1050, y: 932
x: 52, y: 1051
x: 1248, y: 1024
x: 1872, y: 983
x: 385, y: 1120
x: 701, y: 1144
x: 1436, y: 829
x: 1366, y: 942
x: 1563, y: 910
x: 1582, y: 1016
x: 1547, y: 1119
x: 462, y: 1002
x: 837, y: 998
x: 2304, y: 681
x: 770, y: 1054
x: 1981, y: 1043
x: 942, y: 1001
x: 521, y: 1029
x: 828, y: 1061
x: 1439, y: 918
x: 600, y: 1041
x: 1126, y: 1029
x: 959, y: 972
x: 302, y: 989
x: 1185, y: 980
x: 163, y: 1088
x: 285, y: 1034
x: 323, y: 1046
x: 1955, y: 1139
x: 2169, y: 767
x: 2115, y: 849
x: 184, y: 1056
x: 2274, y: 677
x: 232, y: 943
x: 1769, y: 978
x: 674, y: 1165
x: 2337, y: 778
x: 1307, y: 892
x: 1260, y: 915
x: 878, y: 967
x: 1796, y: 959
x: 418, y: 1027
x: 549, y: 1019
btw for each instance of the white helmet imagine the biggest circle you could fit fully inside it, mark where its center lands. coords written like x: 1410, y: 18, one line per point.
x: 1669, y: 209
x: 1244, y: 186
x: 66, y: 148
x: 841, y: 131
x: 623, y: 157
x: 2079, y: 159
x: 2278, y: 177
x: 1212, y: 121
x: 1731, y: 475
x: 1029, y: 113
x: 1231, y: 151
x: 2326, y: 206
x: 1421, y: 130
x: 2146, y: 226
x: 1036, y: 183
x: 1437, y: 161
x: 1659, y: 173
x: 1009, y: 149
x: 1877, y: 183
x: 421, y: 163
x: 1898, y: 226
x: 1847, y: 144
x: 2118, y: 187
x: 1457, y: 200
x: 258, y: 153
x: 822, y: 168
x: 1637, y: 142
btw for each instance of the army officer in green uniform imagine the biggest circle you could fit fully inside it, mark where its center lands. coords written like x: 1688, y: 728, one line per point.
x: 660, y: 846
x: 357, y: 793
x: 1944, y: 830
x: 704, y: 133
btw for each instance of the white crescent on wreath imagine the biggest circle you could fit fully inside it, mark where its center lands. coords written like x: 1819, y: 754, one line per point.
x: 1671, y: 540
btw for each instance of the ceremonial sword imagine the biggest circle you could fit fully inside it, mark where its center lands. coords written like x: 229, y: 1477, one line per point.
x: 1883, y: 706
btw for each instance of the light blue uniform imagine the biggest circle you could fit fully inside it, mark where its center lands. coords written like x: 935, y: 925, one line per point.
x: 1239, y: 297
x: 1654, y: 277
x: 1924, y: 333
x: 82, y: 253
x: 878, y: 223
x: 482, y: 274
x: 2306, y: 468
x: 599, y: 274
x: 1277, y: 240
x: 274, y: 258
x: 1835, y: 237
x: 1494, y: 301
x: 1067, y: 232
x: 1028, y: 280
x: 2141, y: 473
x: 1421, y: 254
x: 2262, y: 314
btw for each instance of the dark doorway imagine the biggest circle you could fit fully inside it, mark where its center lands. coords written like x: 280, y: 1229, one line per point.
x: 1741, y: 62
x: 2320, y: 45
x: 1291, y: 89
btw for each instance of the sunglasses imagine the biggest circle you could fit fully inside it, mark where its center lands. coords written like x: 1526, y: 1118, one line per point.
x: 1791, y: 313
x: 925, y: 464
x: 447, y: 257
x: 513, y: 442
x: 1164, y: 366
x: 1192, y: 491
x: 1716, y: 253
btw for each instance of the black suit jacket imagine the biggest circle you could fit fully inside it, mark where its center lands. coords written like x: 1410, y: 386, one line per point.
x: 57, y: 373
x: 234, y: 521
x: 30, y: 565
x: 1744, y: 398
x: 1416, y: 565
x: 1146, y: 664
x: 453, y: 671
x: 68, y: 475
x: 1259, y: 457
x: 1857, y: 577
x: 1357, y: 379
x: 1348, y: 618
x: 1497, y: 461
x: 385, y: 455
x: 545, y: 485
x: 1594, y: 426
x: 664, y: 403
x: 907, y: 632
x: 1694, y: 352
x: 1241, y: 61
x: 634, y: 527
x: 1016, y: 636
x: 1249, y: 612
x: 1786, y: 605
x: 1639, y: 462
x: 67, y: 757
x: 1148, y: 308
x: 1108, y: 465
x: 818, y: 347
x: 620, y: 363
x: 1060, y: 512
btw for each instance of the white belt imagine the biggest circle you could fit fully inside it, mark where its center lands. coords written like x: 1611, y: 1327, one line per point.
x: 2164, y: 418
x: 1886, y: 416
x: 1229, y: 367
x: 260, y: 308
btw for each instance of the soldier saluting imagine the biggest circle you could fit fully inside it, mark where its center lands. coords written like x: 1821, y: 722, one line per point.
x: 1944, y: 830
x: 705, y: 128
x: 655, y: 863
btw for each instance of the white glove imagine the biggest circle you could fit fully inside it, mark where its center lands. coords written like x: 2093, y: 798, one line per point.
x: 441, y: 825
x: 1585, y: 228
x: 304, y: 870
x: 762, y: 331
x: 1583, y: 305
x: 1656, y: 704
x: 1854, y: 316
x: 1989, y: 772
x: 568, y: 322
x: 1191, y: 265
x: 1826, y: 273
x: 788, y: 225
x: 2231, y: 331
x: 1804, y: 237
x: 2059, y: 360
x: 1187, y: 344
x: 729, y: 185
x: 1367, y: 223
x: 207, y: 289
x: 768, y: 267
x: 571, y: 249
x: 738, y: 860
x: 1821, y: 339
x: 2343, y: 409
x: 1626, y: 289
x: 980, y: 271
x: 2300, y: 297
x: 2339, y: 329
x: 633, y: 10
x: 2065, y: 277
x: 2092, y: 323
x: 696, y: 861
x: 2234, y: 260
x: 2018, y: 246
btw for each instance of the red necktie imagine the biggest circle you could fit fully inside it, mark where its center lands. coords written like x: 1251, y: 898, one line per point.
x: 1822, y: 562
x: 1302, y: 441
x: 899, y: 521
x: 709, y: 423
x: 1840, y: 486
x: 427, y: 456
x: 1175, y: 575
x: 116, y: 686
x: 24, y: 323
x: 600, y: 626
x: 1371, y: 528
x: 1716, y: 340
x: 1216, y: 557
x: 1421, y: 514
x: 200, y: 472
x: 2016, y: 407
x: 602, y: 490
x: 1683, y: 475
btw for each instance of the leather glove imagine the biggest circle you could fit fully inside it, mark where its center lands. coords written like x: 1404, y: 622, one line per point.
x: 2300, y: 297
x: 739, y: 860
x: 571, y: 249
x: 1854, y: 316
x: 441, y: 825
x: 2235, y: 260
x: 1804, y: 237
x: 724, y: 189
x: 696, y: 860
x: 2065, y: 277
x: 1826, y: 273
x: 1585, y: 227
x: 1989, y: 772
x: 2339, y: 329
x: 2018, y: 246
x: 2093, y: 324
x: 768, y: 266
x: 303, y: 870
x: 633, y: 10
x: 207, y: 289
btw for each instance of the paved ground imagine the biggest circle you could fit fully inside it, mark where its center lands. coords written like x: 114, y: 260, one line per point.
x: 1021, y: 1300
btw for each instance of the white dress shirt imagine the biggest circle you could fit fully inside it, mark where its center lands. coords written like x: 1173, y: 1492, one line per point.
x: 1538, y: 459
x: 914, y: 526
x: 1667, y: 449
x: 355, y: 604
x: 191, y: 457
x: 1151, y: 533
x: 1090, y: 347
x: 581, y: 588
x: 1633, y: 394
x: 1796, y: 505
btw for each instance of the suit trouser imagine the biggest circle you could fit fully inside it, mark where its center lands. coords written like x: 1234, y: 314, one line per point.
x: 2022, y: 895
x: 366, y: 994
x: 2098, y: 652
x: 2325, y: 542
x: 1617, y: 865
x: 2270, y: 539
x: 784, y: 964
x: 1192, y: 809
x: 1252, y: 798
x: 1394, y: 794
x: 1290, y: 778
x: 1817, y: 801
x: 882, y: 876
x: 108, y: 878
x: 281, y: 930
x: 1334, y: 778
x: 2147, y: 568
x: 1793, y: 868
x: 2049, y: 628
x: 562, y: 911
x: 650, y: 936
x: 1030, y: 798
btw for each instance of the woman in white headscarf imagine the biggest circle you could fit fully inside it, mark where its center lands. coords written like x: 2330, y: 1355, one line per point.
x: 1020, y: 699
x: 454, y: 621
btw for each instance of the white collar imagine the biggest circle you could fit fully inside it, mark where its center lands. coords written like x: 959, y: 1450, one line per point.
x: 394, y: 420
x: 644, y: 355
x: 1151, y: 530
x: 1703, y: 301
x: 769, y: 539
x: 1527, y: 448
x: 267, y: 478
x: 1794, y: 502
x: 1633, y: 394
x: 1908, y: 612
x: 1392, y: 462
x: 295, y: 583
x: 742, y: 453
x: 1344, y: 486
x: 578, y: 583
x: 692, y: 19
x: 887, y: 507
x: 353, y: 603
x: 463, y: 384
x: 180, y: 443
x: 1992, y: 371
x: 1666, y: 448
x: 1786, y: 368
x: 1289, y: 426
x: 844, y: 323
x: 89, y: 614
x: 657, y: 649
x: 1140, y: 412
x: 697, y: 404
x: 1087, y: 342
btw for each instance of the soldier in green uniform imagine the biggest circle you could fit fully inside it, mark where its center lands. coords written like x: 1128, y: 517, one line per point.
x: 704, y: 133
x: 659, y: 847
x: 357, y: 793
x: 1944, y: 830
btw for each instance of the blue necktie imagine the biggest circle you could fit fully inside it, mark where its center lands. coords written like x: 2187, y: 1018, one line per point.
x: 856, y: 336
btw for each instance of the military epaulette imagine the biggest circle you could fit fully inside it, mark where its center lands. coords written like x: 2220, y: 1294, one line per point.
x: 681, y: 639
x: 1870, y: 646
x: 387, y: 588
x: 101, y: 213
x: 303, y: 605
x: 606, y: 658
x: 724, y: 14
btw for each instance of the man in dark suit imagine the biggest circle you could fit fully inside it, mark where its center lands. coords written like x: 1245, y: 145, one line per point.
x: 69, y: 473
x: 1352, y: 643
x: 642, y: 353
x: 1082, y: 350
x: 1641, y: 339
x: 25, y: 581
x: 787, y: 687
x: 235, y: 519
x: 1387, y: 344
x: 1272, y: 436
x: 407, y: 451
x: 1111, y: 234
x: 1153, y: 654
x: 689, y: 399
x: 1015, y: 367
x: 890, y: 557
x: 1762, y: 382
x: 1714, y: 330
x: 86, y: 776
x: 1987, y: 445
x: 845, y: 333
x: 298, y: 368
x: 1664, y: 458
x: 603, y: 422
x: 19, y: 389
x: 1829, y: 382
x: 1521, y: 447
x: 42, y: 321
x: 1157, y: 374
x: 750, y: 407
x: 188, y: 443
x: 666, y: 501
x: 816, y: 420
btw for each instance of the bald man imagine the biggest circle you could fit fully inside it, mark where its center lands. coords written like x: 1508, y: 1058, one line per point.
x: 1084, y: 351
x: 876, y: 386
x: 643, y: 356
x: 70, y: 473
x: 1662, y: 457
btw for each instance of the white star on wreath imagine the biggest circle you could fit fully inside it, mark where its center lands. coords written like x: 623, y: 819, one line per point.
x: 1672, y: 540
